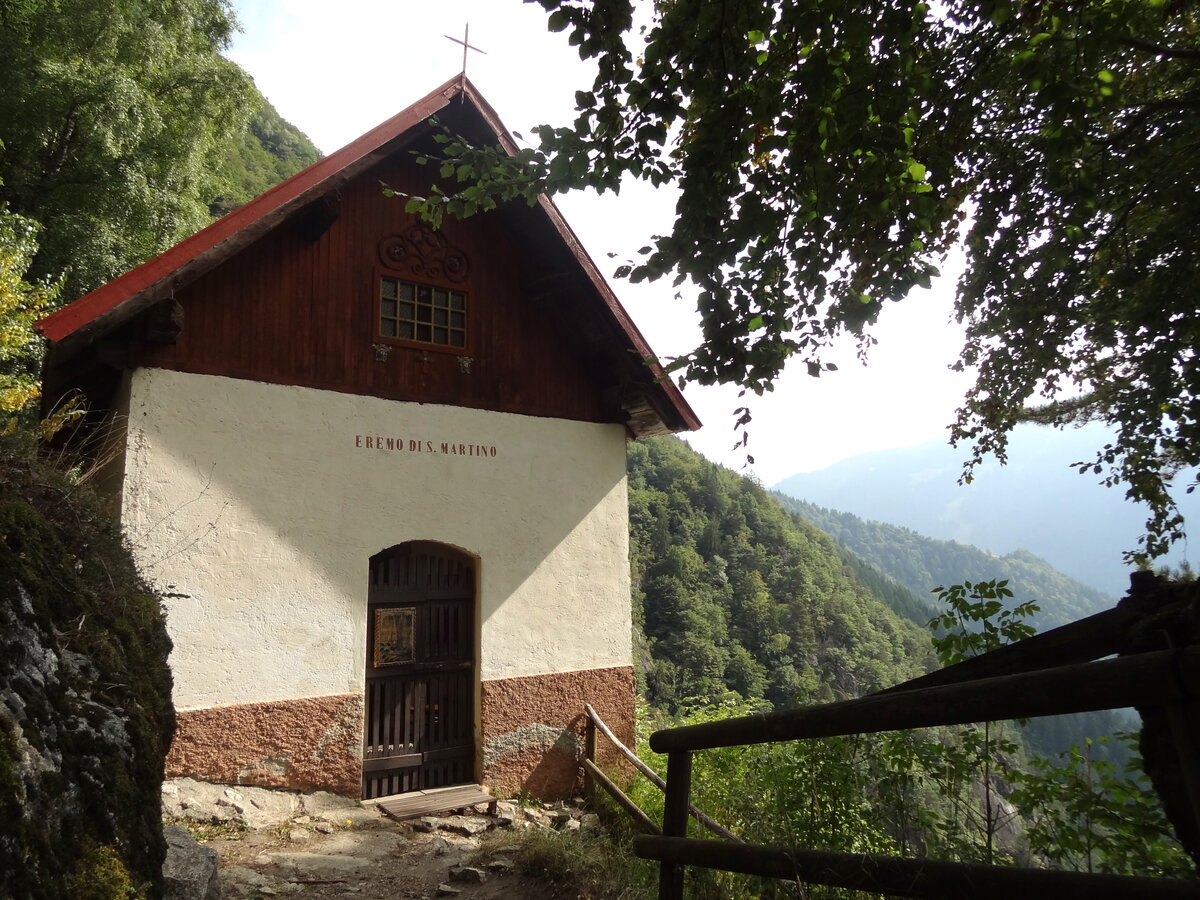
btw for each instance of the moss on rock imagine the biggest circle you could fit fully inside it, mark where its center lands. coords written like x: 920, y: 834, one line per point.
x: 85, y: 693
x: 101, y: 875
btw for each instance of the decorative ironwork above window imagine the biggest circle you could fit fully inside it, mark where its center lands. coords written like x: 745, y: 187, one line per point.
x: 424, y: 254
x: 410, y: 311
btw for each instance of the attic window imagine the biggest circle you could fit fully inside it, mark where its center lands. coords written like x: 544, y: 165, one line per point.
x: 409, y: 311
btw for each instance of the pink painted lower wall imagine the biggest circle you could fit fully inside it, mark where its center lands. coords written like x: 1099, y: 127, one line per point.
x: 533, y: 731
x: 534, y: 728
x: 310, y: 743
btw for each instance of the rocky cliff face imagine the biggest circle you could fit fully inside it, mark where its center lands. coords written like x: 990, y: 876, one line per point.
x: 85, y: 697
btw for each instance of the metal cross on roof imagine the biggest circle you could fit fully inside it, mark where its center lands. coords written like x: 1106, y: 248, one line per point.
x: 465, y: 45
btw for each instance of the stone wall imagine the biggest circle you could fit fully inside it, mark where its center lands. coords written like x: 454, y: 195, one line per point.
x: 307, y: 743
x: 85, y: 710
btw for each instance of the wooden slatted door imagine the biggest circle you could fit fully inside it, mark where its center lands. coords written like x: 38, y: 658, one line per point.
x: 420, y: 684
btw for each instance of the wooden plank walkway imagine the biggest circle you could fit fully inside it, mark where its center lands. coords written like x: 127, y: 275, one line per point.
x: 424, y: 803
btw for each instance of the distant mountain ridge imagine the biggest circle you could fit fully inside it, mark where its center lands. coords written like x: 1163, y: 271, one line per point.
x: 1036, y: 502
x: 915, y: 565
x: 921, y: 564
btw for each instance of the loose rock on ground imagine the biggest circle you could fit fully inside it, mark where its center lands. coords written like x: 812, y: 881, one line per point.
x: 281, y: 844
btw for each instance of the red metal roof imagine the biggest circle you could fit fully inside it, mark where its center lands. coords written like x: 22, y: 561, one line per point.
x: 108, y: 306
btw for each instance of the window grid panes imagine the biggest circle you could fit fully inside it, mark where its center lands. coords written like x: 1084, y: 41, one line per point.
x: 420, y: 312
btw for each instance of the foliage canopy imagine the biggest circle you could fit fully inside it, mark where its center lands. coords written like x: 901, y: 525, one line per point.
x: 110, y: 116
x: 21, y: 304
x: 122, y: 130
x: 829, y: 153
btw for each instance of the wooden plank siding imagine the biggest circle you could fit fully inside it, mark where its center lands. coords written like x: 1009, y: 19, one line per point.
x: 287, y: 310
x: 304, y: 324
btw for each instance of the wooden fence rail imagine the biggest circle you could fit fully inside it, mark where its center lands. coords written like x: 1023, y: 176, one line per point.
x: 899, y: 877
x: 596, y: 777
x: 1024, y: 680
x: 1148, y: 678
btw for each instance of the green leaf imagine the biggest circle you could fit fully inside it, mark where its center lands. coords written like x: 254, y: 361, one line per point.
x: 560, y: 167
x: 806, y: 176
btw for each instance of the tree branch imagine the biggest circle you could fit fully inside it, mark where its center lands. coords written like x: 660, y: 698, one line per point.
x: 1160, y: 50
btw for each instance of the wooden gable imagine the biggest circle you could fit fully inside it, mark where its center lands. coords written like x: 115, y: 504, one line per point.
x: 296, y: 311
x: 288, y: 291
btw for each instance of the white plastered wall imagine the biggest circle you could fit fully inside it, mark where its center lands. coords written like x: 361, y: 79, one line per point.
x: 259, y: 505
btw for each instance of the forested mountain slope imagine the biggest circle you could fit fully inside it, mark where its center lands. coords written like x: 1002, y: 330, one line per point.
x: 921, y: 564
x: 741, y: 590
x: 734, y: 594
x: 1036, y: 501
x: 267, y: 151
x: 918, y: 608
x: 122, y: 127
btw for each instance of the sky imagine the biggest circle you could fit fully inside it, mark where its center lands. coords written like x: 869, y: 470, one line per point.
x: 337, y: 70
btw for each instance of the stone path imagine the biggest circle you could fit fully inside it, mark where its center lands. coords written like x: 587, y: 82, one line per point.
x: 280, y: 844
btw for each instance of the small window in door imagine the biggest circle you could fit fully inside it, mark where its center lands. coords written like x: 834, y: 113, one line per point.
x: 394, y: 637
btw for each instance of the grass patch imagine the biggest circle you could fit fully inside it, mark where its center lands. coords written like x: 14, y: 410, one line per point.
x: 203, y: 832
x: 593, y: 864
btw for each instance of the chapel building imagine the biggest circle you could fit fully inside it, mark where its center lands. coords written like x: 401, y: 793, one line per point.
x: 380, y: 471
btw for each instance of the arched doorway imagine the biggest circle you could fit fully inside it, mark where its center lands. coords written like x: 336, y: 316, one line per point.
x: 421, y: 670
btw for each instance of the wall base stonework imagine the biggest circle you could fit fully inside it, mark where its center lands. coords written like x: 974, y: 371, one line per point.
x: 309, y: 743
x: 534, y: 728
x: 533, y: 736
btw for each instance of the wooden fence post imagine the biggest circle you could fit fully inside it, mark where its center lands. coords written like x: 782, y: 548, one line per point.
x: 675, y: 819
x: 1184, y: 719
x: 589, y: 753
